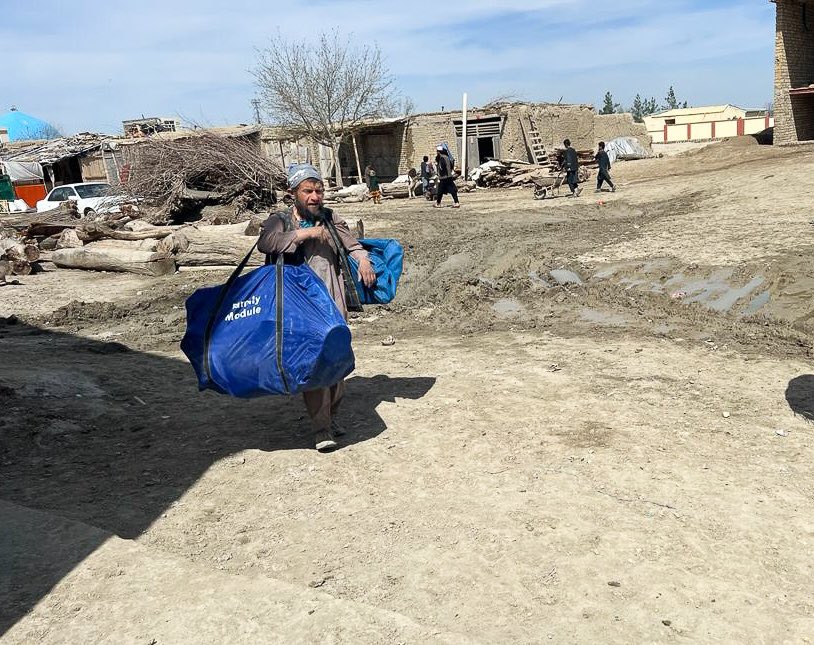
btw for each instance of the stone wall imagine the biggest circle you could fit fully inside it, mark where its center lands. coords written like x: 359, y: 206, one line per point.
x: 794, y: 67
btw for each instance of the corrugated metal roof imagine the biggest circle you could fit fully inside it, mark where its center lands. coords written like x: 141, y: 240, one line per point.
x: 51, y: 151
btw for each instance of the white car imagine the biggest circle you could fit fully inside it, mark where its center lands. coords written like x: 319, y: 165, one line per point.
x: 91, y: 198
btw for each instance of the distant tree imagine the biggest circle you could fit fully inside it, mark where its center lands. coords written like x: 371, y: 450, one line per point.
x: 770, y: 108
x: 671, y: 102
x: 637, y: 109
x: 650, y: 107
x: 608, y: 106
x: 324, y: 88
x: 643, y: 107
x: 406, y: 106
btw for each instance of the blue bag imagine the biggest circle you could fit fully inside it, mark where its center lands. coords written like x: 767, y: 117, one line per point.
x: 387, y: 258
x: 275, y: 330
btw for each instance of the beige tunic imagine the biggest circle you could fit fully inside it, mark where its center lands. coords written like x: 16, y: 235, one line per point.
x: 320, y: 256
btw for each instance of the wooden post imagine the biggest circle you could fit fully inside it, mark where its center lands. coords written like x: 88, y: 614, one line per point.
x: 282, y: 155
x: 464, y: 142
x: 356, y: 153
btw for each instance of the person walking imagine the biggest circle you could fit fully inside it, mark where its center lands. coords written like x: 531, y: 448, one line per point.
x: 572, y: 168
x: 604, y: 163
x: 300, y: 234
x: 446, y: 177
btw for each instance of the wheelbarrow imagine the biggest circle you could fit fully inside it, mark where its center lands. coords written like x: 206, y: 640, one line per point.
x: 544, y: 187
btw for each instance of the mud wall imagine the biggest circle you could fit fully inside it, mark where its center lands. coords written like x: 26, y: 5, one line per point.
x: 610, y: 126
x: 424, y: 132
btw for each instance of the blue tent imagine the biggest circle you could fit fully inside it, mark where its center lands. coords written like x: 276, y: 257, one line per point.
x: 21, y: 126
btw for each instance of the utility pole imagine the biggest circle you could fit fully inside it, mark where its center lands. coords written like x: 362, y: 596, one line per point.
x: 464, y: 145
x: 256, y: 106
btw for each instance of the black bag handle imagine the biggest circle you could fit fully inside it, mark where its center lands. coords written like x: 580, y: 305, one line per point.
x: 352, y: 301
x: 224, y: 291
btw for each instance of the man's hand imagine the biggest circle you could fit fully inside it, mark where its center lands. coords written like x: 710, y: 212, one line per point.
x: 366, y: 273
x: 319, y: 233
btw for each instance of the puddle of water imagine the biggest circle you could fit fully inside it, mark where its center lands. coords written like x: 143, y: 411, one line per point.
x: 728, y: 300
x: 612, y: 269
x: 538, y: 281
x: 605, y: 318
x: 758, y: 302
x: 508, y: 307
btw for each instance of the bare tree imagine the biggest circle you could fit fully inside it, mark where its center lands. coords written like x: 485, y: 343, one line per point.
x: 325, y: 89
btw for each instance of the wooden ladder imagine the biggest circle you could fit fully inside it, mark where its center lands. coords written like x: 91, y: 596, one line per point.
x: 534, y: 141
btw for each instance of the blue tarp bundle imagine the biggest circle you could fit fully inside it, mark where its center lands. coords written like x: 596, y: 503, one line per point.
x: 241, y: 350
x: 387, y: 258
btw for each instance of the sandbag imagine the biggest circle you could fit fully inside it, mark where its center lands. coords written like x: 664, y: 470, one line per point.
x: 387, y: 258
x: 275, y: 330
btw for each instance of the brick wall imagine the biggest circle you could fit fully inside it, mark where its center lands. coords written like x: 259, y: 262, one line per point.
x: 794, y: 67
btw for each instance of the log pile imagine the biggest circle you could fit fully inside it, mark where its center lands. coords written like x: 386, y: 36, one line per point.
x: 513, y: 172
x: 122, y: 242
x: 16, y: 257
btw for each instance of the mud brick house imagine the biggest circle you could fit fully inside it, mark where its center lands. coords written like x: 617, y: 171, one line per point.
x: 523, y: 131
x: 794, y: 72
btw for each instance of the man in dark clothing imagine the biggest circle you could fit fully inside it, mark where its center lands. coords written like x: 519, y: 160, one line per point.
x: 604, y: 169
x: 446, y: 178
x: 572, y: 168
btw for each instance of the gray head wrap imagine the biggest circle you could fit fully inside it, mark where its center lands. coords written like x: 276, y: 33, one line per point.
x: 299, y: 172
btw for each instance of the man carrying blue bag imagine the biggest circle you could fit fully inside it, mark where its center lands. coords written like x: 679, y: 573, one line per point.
x: 302, y: 235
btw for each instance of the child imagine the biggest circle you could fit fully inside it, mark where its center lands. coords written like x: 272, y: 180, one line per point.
x: 373, y: 186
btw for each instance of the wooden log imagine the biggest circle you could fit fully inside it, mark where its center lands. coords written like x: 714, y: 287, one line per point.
x: 214, y: 245
x: 14, y: 267
x: 150, y: 245
x: 13, y: 249
x: 50, y: 243
x: 92, y: 231
x: 68, y: 239
x: 115, y: 259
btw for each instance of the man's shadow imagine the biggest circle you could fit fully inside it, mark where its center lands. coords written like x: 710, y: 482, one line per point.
x: 96, y: 433
x: 800, y: 396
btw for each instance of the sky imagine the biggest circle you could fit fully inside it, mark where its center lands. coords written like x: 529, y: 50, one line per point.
x: 88, y: 65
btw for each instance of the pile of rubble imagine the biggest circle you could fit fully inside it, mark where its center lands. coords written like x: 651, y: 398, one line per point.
x: 513, y: 172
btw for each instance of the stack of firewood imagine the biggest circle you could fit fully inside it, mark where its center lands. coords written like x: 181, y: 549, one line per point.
x: 513, y: 172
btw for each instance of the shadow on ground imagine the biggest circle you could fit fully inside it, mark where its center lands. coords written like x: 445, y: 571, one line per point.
x: 110, y: 437
x: 800, y: 396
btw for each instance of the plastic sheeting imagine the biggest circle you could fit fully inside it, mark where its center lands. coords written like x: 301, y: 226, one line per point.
x: 243, y: 353
x: 477, y: 171
x: 23, y: 170
x: 626, y: 148
x: 387, y: 258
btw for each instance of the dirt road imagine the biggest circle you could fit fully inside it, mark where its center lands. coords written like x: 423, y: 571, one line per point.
x: 622, y: 460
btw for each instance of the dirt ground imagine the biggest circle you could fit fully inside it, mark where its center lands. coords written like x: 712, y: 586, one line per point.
x: 623, y: 459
